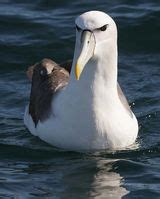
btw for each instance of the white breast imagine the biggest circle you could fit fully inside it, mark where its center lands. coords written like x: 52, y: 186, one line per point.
x: 86, y: 119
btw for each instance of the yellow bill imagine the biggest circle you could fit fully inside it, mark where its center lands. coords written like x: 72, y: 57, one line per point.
x: 86, y: 52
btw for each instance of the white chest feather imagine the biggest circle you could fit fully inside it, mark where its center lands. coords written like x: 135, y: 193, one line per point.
x: 88, y: 117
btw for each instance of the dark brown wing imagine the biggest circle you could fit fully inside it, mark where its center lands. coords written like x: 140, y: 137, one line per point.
x: 48, y: 78
x: 29, y: 71
x: 124, y: 100
x: 66, y: 65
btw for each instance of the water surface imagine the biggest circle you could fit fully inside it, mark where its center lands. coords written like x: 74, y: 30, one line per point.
x: 29, y: 168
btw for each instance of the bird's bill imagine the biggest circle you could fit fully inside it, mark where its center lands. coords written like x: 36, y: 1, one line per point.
x: 86, y: 52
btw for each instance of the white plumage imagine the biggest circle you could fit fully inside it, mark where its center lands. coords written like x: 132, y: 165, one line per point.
x: 90, y: 114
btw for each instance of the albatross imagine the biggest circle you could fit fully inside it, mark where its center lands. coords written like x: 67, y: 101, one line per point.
x: 82, y: 107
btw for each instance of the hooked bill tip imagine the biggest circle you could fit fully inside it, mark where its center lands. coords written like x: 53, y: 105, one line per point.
x: 77, y: 71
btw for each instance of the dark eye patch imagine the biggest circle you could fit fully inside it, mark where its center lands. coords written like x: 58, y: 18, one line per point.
x: 78, y: 28
x: 103, y: 28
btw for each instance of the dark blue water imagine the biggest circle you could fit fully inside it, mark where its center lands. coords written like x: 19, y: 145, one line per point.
x: 29, y: 168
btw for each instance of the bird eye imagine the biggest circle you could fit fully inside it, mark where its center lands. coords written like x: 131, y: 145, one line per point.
x: 103, y: 28
x: 78, y: 28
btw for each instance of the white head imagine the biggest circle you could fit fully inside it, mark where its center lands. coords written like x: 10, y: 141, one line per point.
x: 96, y: 32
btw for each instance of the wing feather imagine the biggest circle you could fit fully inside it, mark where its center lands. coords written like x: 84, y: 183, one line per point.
x: 124, y: 100
x: 48, y: 78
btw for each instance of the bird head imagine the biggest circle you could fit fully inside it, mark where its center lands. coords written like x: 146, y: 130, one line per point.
x: 95, y: 32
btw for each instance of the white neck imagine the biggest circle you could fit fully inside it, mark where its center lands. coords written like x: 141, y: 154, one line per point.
x: 92, y: 96
x: 101, y: 69
x: 107, y: 65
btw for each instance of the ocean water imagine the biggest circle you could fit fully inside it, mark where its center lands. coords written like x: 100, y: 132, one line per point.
x: 30, y: 168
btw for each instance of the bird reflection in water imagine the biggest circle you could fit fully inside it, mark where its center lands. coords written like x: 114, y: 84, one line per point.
x: 107, y: 183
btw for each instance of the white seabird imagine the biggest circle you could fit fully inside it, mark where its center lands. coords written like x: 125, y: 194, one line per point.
x: 91, y: 113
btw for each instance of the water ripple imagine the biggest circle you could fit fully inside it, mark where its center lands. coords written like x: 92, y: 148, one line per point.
x: 30, y: 168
